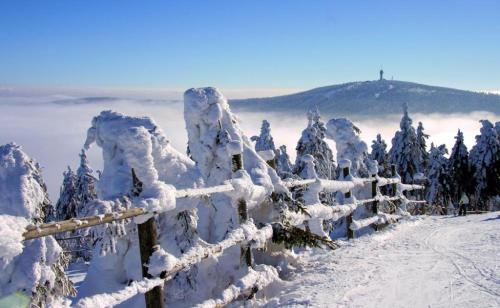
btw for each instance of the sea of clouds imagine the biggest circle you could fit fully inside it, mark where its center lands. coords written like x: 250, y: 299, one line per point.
x: 53, y: 133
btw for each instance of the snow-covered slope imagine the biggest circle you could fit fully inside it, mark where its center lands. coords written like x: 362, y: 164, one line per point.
x: 375, y: 97
x: 437, y: 261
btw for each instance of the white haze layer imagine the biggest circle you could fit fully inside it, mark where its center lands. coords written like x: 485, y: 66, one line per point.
x: 54, y: 134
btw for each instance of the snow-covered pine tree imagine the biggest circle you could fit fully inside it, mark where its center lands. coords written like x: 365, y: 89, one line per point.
x: 348, y: 144
x: 459, y: 168
x: 37, y: 271
x: 138, y: 143
x: 284, y: 167
x: 313, y: 142
x: 379, y: 154
x: 214, y: 138
x: 85, y: 184
x: 264, y: 141
x: 66, y: 209
x: 422, y: 145
x: 440, y: 191
x: 405, y: 153
x: 485, y: 164
x: 47, y: 207
x: 68, y: 202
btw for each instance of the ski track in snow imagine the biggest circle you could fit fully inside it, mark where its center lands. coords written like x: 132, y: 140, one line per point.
x: 437, y: 261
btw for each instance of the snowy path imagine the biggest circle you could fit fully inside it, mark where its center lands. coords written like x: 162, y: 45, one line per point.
x: 431, y: 262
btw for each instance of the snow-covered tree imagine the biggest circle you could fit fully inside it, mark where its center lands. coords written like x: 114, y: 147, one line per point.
x: 405, y: 152
x: 379, y: 154
x: 264, y: 141
x: 439, y: 191
x: 422, y: 145
x: 85, y: 183
x: 284, y: 167
x: 214, y: 137
x: 313, y: 142
x: 68, y: 201
x: 459, y: 168
x: 349, y: 144
x: 485, y: 164
x: 138, y: 143
x: 37, y: 269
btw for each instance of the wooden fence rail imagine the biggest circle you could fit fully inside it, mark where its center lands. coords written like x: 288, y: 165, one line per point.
x: 147, y: 230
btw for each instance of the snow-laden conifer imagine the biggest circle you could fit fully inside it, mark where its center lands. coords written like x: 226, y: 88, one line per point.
x: 439, y: 191
x: 422, y: 146
x: 264, y: 142
x: 138, y: 143
x: 85, y: 184
x: 379, y: 154
x: 284, y: 167
x: 313, y: 142
x: 459, y: 168
x: 214, y: 137
x: 405, y: 152
x: 349, y: 144
x: 485, y: 164
x: 68, y: 201
x: 38, y: 269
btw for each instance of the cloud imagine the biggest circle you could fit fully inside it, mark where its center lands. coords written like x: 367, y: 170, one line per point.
x: 54, y: 134
x: 35, y: 94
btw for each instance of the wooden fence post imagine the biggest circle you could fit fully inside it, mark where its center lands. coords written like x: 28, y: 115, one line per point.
x: 394, y: 187
x: 246, y: 251
x: 148, y: 241
x: 350, y: 233
x: 375, y: 202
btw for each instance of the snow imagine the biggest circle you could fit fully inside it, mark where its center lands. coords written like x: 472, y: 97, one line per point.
x: 156, y: 198
x: 162, y: 261
x: 386, y: 181
x: 33, y: 267
x: 267, y: 155
x: 258, y: 278
x: 112, y: 299
x: 11, y: 241
x: 359, y: 224
x: 348, y: 144
x: 436, y: 261
x: 20, y: 193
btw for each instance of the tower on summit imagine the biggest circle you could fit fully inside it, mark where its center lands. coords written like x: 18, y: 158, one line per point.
x: 381, y: 74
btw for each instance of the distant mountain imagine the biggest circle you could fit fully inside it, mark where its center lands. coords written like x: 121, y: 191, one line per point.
x: 375, y: 98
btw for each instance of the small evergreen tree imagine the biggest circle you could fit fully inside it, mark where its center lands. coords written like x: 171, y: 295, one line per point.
x: 379, y: 154
x: 405, y: 152
x: 284, y: 167
x: 313, y: 142
x: 459, y: 168
x: 85, y: 184
x: 68, y: 202
x: 485, y: 164
x: 264, y: 141
x: 439, y: 192
x: 422, y: 146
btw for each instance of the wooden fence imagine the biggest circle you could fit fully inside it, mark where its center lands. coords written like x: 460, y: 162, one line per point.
x: 152, y: 287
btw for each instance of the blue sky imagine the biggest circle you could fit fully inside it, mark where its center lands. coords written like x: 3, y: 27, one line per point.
x: 248, y: 44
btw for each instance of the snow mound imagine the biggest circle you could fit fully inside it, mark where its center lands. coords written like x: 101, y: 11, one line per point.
x: 20, y: 192
x: 12, y: 229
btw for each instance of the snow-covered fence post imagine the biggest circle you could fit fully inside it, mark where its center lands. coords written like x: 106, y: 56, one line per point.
x: 148, y: 241
x: 350, y: 232
x: 394, y: 187
x: 375, y: 202
x: 246, y: 252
